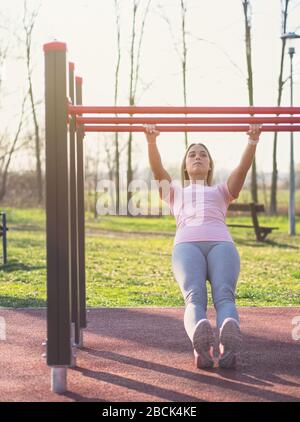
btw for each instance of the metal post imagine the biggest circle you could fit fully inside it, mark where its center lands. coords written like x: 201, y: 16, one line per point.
x: 75, y: 313
x: 59, y: 350
x: 81, y: 219
x: 292, y: 217
x: 58, y: 380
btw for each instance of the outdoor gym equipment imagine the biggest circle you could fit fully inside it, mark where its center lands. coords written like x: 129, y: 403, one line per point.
x: 67, y: 120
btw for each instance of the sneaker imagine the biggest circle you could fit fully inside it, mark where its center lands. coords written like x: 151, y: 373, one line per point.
x: 203, y: 340
x: 230, y: 343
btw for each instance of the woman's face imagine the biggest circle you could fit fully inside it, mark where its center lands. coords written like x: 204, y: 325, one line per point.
x: 197, y: 163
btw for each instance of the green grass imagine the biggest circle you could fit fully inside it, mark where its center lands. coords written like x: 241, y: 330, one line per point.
x: 135, y: 270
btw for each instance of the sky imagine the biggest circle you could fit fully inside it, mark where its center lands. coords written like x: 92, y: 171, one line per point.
x: 216, y: 72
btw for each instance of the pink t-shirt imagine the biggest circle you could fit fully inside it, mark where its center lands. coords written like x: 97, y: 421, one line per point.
x: 199, y: 211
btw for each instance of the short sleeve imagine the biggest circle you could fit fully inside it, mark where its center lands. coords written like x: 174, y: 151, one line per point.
x: 228, y: 197
x: 169, y: 191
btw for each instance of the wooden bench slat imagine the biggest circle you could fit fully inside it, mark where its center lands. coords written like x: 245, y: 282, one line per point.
x: 246, y: 207
x: 251, y: 227
x: 240, y: 225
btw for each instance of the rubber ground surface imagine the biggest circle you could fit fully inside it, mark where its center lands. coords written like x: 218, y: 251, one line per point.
x: 144, y: 354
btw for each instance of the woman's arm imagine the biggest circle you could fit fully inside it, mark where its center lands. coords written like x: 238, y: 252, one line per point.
x: 154, y: 157
x: 237, y: 178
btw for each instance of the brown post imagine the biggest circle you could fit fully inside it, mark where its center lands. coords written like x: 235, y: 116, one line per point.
x: 75, y: 314
x: 59, y: 352
x: 81, y: 219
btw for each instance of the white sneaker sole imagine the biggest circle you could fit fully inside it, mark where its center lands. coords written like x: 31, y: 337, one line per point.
x: 231, y: 339
x: 203, y: 341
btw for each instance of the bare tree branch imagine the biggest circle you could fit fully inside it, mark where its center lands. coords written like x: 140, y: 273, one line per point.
x: 146, y: 86
x: 139, y: 46
x: 163, y: 15
x: 11, y: 151
x: 221, y: 49
x: 29, y: 21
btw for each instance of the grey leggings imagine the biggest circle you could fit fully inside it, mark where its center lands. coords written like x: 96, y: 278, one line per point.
x: 194, y: 263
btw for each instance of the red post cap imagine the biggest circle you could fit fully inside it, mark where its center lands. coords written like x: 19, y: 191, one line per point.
x: 78, y: 80
x: 55, y: 46
x: 71, y: 66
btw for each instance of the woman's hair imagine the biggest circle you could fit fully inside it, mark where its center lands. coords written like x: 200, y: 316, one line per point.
x: 184, y: 173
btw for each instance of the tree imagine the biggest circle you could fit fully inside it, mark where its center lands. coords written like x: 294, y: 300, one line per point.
x: 184, y: 57
x: 93, y: 173
x: 29, y: 20
x: 7, y: 149
x: 117, y: 71
x: 8, y: 143
x: 135, y: 53
x: 247, y: 15
x: 4, y: 48
x: 273, y: 201
x: 181, y: 53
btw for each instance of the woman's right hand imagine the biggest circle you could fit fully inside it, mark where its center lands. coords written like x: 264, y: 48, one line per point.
x: 151, y: 133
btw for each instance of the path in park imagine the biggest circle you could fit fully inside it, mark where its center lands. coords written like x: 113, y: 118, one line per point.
x: 143, y: 354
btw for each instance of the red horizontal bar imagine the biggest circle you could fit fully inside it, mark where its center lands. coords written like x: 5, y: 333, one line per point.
x: 182, y: 110
x: 290, y: 128
x: 185, y: 120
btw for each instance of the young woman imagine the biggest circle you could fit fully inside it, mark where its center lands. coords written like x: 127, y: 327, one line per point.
x: 203, y: 248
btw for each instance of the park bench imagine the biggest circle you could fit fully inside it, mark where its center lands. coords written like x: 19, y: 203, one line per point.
x: 260, y: 232
x: 3, y: 230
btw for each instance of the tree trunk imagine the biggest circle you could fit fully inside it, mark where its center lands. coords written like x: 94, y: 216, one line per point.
x: 117, y: 153
x: 247, y: 15
x: 264, y: 190
x: 273, y: 201
x: 37, y: 142
x: 134, y: 78
x: 95, y: 184
x: 129, y: 171
x: 184, y: 60
x: 131, y: 102
x: 28, y: 25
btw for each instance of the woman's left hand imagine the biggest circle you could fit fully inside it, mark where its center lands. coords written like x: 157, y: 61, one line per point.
x: 254, y: 132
